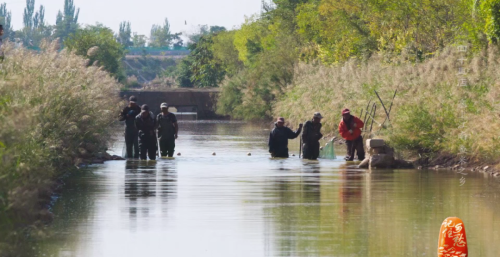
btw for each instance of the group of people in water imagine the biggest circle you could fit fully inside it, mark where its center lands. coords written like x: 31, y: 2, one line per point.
x: 144, y: 132
x: 349, y: 128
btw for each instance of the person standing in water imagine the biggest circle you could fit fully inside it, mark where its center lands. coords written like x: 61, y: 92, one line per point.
x: 278, y: 138
x: 311, y: 136
x: 167, y: 131
x: 350, y: 129
x: 128, y: 115
x: 146, y: 124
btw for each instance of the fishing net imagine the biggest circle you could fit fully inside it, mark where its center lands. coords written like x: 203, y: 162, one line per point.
x: 328, y: 151
x: 124, y: 151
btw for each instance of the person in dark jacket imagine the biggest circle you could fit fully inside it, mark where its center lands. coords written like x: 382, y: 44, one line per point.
x: 145, y: 123
x: 311, y: 136
x: 350, y: 129
x: 278, y: 138
x: 167, y: 130
x: 131, y: 136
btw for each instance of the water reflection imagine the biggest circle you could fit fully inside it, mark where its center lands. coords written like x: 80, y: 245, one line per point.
x: 145, y: 181
x: 232, y: 204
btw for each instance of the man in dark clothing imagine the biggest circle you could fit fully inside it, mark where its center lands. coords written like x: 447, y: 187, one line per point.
x: 350, y: 129
x: 131, y: 137
x: 278, y: 138
x: 167, y: 131
x: 145, y: 123
x: 311, y: 137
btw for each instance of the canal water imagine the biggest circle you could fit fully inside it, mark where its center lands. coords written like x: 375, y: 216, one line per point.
x: 232, y: 204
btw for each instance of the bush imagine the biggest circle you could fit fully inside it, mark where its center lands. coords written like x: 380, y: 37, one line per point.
x: 98, y: 44
x: 54, y: 110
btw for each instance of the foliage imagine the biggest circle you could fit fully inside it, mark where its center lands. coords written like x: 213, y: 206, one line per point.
x: 202, y: 68
x: 5, y: 20
x: 35, y: 28
x: 139, y: 40
x: 204, y: 30
x: 67, y: 21
x: 98, y: 44
x: 430, y: 112
x: 161, y: 36
x: 124, y: 36
x: 54, y: 110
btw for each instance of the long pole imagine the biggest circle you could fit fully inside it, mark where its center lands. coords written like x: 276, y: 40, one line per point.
x: 386, y: 113
x: 300, y: 148
x: 366, y: 111
x: 390, y: 108
x: 371, y: 126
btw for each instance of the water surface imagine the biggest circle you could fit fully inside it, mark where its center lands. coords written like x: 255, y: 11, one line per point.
x: 232, y: 204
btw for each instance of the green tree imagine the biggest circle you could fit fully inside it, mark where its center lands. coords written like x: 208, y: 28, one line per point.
x: 161, y: 36
x: 5, y: 20
x: 204, y: 30
x: 207, y: 71
x: 35, y: 29
x: 124, y: 36
x: 67, y: 21
x: 223, y: 50
x: 139, y: 40
x: 106, y: 51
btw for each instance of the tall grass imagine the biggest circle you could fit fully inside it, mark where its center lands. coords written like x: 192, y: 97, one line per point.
x: 53, y: 111
x: 431, y: 113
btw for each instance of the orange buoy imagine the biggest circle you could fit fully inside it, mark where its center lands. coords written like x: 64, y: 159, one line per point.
x: 452, y: 241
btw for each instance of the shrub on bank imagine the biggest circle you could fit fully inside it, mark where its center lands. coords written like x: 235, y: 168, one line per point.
x: 431, y: 112
x: 54, y: 110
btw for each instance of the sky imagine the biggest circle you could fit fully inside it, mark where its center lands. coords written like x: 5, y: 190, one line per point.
x: 142, y: 14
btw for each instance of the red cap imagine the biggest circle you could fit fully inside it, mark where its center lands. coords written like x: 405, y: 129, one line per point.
x: 346, y: 111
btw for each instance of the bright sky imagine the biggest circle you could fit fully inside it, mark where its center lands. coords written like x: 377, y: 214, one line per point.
x: 144, y: 13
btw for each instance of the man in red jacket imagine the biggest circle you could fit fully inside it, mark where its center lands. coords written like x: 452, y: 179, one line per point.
x: 350, y: 129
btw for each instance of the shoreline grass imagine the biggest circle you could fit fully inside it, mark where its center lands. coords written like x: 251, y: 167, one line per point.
x: 54, y: 112
x: 431, y: 115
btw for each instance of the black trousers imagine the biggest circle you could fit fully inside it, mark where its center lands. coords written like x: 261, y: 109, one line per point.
x: 354, y: 146
x: 311, y: 150
x: 132, y: 144
x: 281, y: 152
x: 167, y: 147
x: 148, y: 147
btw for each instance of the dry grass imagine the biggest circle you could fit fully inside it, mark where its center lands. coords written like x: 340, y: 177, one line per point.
x: 53, y: 111
x: 428, y: 114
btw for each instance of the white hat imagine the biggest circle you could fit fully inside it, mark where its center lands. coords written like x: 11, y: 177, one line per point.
x: 164, y: 105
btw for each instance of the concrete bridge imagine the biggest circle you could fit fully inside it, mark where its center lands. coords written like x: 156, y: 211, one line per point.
x: 201, y: 101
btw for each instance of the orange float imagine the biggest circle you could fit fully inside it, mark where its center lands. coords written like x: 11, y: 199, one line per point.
x: 452, y: 241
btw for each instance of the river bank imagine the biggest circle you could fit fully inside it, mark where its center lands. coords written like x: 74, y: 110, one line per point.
x: 55, y: 112
x: 434, y: 120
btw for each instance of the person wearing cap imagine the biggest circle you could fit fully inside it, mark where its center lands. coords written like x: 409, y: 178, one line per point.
x: 167, y: 130
x: 146, y: 124
x: 128, y: 115
x: 350, y: 129
x: 278, y: 138
x: 311, y: 136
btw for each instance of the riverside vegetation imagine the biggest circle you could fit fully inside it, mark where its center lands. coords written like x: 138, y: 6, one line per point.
x: 54, y: 111
x: 301, y: 56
